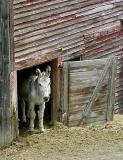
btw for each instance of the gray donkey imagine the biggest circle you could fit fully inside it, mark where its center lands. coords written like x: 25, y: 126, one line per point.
x: 35, y: 91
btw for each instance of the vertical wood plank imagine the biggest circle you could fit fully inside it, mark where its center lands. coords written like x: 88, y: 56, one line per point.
x: 5, y: 64
x: 54, y: 88
x: 11, y: 33
x: 65, y: 93
x: 14, y: 105
x: 112, y: 82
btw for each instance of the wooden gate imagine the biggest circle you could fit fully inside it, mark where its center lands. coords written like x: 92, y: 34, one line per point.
x: 88, y: 91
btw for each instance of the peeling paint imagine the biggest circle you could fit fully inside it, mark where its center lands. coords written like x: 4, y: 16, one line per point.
x: 89, y: 28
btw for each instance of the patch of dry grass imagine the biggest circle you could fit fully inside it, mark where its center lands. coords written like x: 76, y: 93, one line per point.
x: 63, y: 140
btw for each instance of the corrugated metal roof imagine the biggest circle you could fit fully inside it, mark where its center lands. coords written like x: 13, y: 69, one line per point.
x: 44, y: 26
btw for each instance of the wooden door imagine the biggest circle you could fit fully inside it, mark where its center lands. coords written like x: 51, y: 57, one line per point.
x: 88, y: 91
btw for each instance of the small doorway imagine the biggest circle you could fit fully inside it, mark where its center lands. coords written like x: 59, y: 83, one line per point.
x: 50, y: 115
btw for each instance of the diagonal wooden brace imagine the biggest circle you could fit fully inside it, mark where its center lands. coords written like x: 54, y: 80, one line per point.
x: 86, y: 110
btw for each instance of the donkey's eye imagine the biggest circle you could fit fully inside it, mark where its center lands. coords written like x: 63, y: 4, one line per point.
x: 40, y: 84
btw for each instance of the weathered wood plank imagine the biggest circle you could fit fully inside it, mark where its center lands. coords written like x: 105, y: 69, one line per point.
x: 14, y: 105
x: 78, y: 108
x: 112, y: 82
x: 86, y: 63
x: 95, y: 122
x: 84, y: 83
x: 65, y: 92
x: 5, y: 64
x: 54, y: 89
x: 77, y: 116
x: 37, y: 59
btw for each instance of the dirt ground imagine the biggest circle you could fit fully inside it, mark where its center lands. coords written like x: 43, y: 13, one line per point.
x: 94, y: 142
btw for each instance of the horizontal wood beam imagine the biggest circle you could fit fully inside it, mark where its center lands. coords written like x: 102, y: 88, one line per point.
x: 38, y: 59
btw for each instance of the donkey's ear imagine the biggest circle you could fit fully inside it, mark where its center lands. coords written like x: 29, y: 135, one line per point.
x: 38, y: 72
x: 48, y: 70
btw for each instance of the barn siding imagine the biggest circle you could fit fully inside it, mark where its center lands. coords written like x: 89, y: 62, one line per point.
x: 103, y: 44
x: 91, y: 28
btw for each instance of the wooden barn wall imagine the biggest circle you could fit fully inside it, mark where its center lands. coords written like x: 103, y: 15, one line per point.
x: 42, y: 26
x: 103, y: 43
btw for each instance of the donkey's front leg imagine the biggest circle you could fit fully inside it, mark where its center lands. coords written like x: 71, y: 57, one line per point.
x: 32, y: 116
x: 22, y: 102
x: 41, y: 116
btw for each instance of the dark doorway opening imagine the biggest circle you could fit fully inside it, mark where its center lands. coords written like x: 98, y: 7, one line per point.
x: 21, y: 76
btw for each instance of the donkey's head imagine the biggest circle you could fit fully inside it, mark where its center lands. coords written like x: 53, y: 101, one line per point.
x: 44, y: 83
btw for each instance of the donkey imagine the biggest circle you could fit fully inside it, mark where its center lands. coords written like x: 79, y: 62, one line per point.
x: 35, y: 91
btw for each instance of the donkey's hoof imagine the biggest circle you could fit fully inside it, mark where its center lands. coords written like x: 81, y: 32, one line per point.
x: 41, y: 130
x: 31, y: 130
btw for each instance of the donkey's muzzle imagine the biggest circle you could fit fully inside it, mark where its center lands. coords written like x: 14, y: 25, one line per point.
x: 46, y: 99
